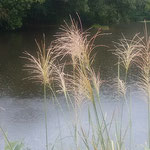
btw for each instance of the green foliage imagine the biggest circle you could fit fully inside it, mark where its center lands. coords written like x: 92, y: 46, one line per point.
x: 16, y: 12
x: 79, y: 5
x: 12, y: 12
x: 14, y: 146
x: 11, y: 145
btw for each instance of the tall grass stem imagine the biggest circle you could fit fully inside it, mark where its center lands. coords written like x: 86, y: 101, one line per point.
x: 6, y: 139
x: 45, y: 113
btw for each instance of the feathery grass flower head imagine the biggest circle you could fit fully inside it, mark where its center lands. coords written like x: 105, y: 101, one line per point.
x: 74, y: 42
x: 144, y: 83
x: 143, y: 63
x: 62, y: 79
x: 120, y: 85
x: 96, y: 80
x: 82, y: 85
x: 42, y: 66
x: 128, y: 50
x: 85, y: 83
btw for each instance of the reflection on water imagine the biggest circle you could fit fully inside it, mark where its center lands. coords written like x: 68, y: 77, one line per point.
x: 23, y: 114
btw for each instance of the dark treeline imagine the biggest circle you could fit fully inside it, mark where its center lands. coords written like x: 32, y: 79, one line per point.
x: 16, y: 13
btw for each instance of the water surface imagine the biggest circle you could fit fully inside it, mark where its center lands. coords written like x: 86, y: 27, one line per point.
x: 22, y: 102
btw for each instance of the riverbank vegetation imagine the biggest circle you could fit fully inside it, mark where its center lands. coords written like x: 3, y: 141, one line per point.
x: 15, y: 13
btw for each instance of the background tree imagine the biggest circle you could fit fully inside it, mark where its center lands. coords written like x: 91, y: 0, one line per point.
x: 13, y: 11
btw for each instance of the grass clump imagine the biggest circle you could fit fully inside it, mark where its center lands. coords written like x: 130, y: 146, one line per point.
x: 82, y: 83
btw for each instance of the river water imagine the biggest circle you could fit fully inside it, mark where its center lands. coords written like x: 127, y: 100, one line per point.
x: 21, y: 102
